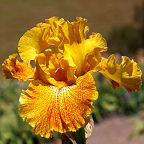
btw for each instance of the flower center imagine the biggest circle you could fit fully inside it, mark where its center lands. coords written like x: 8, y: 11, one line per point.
x: 60, y: 74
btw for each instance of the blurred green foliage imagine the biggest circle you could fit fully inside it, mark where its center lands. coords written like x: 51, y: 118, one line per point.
x: 138, y: 127
x: 12, y: 129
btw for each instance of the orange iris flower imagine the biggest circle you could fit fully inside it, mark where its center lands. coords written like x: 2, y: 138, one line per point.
x: 62, y: 89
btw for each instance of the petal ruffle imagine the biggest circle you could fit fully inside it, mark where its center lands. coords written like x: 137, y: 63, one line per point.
x: 67, y: 38
x: 12, y: 68
x: 93, y: 46
x: 86, y: 55
x: 58, y: 109
x: 97, y: 42
x: 52, y: 69
x: 54, y: 32
x: 74, y: 32
x: 127, y: 74
x: 30, y: 44
x: 39, y: 38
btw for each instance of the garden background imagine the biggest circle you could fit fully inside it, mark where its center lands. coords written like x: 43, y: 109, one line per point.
x: 118, y: 115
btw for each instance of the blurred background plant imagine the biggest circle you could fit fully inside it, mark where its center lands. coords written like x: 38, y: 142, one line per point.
x: 128, y: 39
x: 122, y: 40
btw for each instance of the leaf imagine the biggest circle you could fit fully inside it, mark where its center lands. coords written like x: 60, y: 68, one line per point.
x: 79, y: 136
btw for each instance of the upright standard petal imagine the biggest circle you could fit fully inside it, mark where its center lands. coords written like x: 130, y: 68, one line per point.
x: 35, y: 40
x: 97, y: 42
x: 30, y: 44
x: 74, y: 32
x: 12, y: 68
x: 86, y: 55
x: 127, y: 74
x: 58, y: 109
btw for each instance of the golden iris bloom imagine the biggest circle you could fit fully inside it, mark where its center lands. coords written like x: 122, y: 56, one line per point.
x: 62, y: 89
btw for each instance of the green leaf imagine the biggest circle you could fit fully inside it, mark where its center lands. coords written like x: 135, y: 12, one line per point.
x: 79, y: 136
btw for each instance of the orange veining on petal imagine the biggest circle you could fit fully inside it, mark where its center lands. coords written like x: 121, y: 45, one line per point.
x: 49, y: 108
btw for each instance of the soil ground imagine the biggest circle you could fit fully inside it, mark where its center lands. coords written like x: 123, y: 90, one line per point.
x: 115, y: 130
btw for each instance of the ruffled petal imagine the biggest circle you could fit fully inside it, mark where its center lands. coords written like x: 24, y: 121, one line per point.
x: 30, y: 44
x: 93, y: 48
x: 58, y: 109
x: 51, y: 68
x: 74, y: 35
x: 12, y: 68
x: 67, y: 38
x: 97, y: 42
x: 86, y: 55
x: 127, y: 74
x: 74, y: 55
x: 92, y: 60
x: 35, y: 40
x: 74, y: 32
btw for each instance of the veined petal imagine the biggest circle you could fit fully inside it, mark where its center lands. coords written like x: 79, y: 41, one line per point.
x: 93, y: 46
x: 74, y: 32
x: 74, y: 55
x: 74, y: 35
x: 86, y: 55
x: 95, y: 42
x: 12, y: 68
x: 127, y: 74
x: 92, y: 60
x: 60, y: 109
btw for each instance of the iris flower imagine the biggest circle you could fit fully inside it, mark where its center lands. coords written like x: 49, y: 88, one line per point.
x: 62, y: 89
